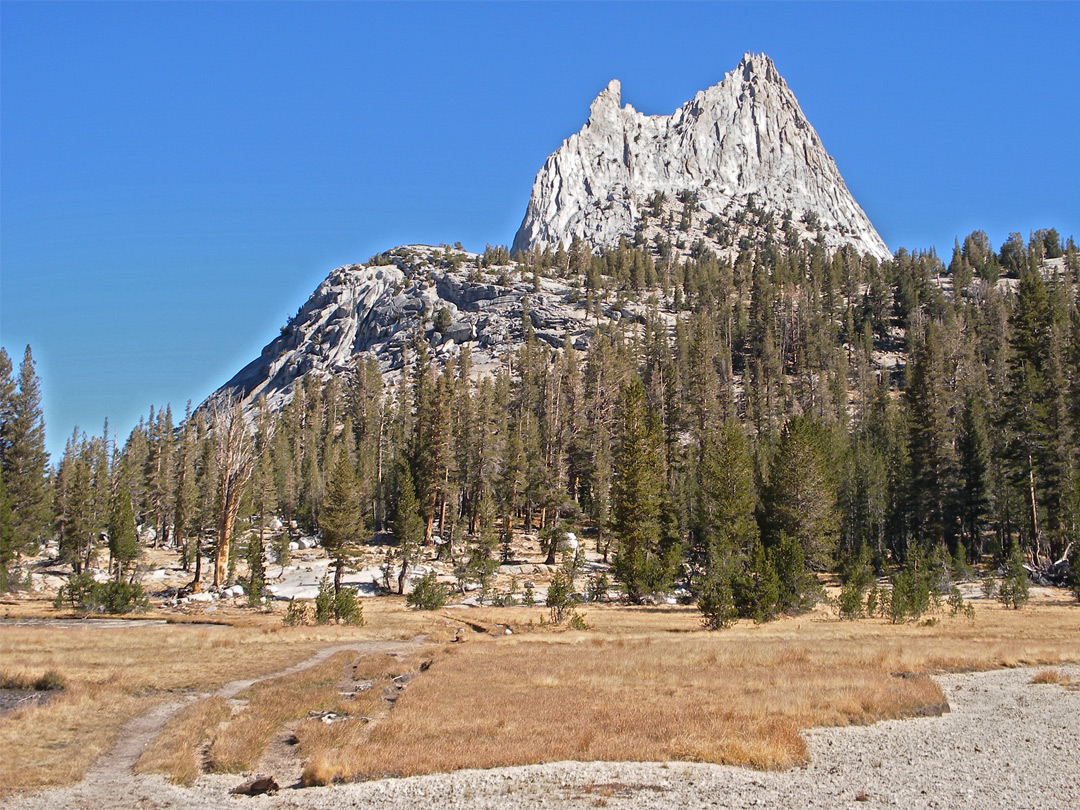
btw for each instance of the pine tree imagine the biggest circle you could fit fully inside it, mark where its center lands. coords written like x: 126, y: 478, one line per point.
x: 408, y: 524
x: 757, y: 594
x: 263, y: 501
x: 233, y: 456
x: 343, y: 516
x: 973, y: 457
x: 800, y: 498
x: 484, y: 556
x: 726, y: 494
x: 636, y: 496
x: 933, y: 441
x: 7, y: 546
x: 161, y: 469
x: 123, y: 542
x: 185, y: 496
x: 22, y: 455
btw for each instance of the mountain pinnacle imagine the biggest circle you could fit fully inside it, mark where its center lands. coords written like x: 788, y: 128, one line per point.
x: 742, y: 142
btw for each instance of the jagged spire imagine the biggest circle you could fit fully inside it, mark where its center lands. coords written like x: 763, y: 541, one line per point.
x: 745, y: 136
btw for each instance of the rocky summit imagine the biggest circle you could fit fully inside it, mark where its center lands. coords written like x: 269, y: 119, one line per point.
x: 737, y: 168
x: 445, y: 297
x: 742, y: 142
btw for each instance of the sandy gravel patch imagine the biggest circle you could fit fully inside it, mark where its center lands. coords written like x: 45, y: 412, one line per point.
x: 1007, y: 743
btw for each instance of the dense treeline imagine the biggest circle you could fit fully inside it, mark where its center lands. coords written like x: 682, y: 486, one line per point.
x: 786, y: 413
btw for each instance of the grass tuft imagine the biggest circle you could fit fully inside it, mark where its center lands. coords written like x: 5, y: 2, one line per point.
x: 179, y: 749
x: 49, y: 681
x: 1053, y: 676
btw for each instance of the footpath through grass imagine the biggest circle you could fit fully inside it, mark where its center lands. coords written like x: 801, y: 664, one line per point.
x: 643, y: 684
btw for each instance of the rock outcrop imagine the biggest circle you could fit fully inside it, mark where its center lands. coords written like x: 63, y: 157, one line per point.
x: 385, y: 306
x: 743, y: 141
x: 735, y: 158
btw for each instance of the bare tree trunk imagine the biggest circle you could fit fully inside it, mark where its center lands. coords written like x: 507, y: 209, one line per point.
x: 234, y: 451
x: 429, y: 521
x: 1036, y: 536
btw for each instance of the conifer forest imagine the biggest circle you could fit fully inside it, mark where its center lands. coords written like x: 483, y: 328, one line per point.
x: 780, y: 413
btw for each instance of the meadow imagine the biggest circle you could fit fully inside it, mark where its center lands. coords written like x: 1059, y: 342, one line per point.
x: 642, y: 684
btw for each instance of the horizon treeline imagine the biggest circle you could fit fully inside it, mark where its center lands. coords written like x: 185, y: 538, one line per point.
x: 782, y: 414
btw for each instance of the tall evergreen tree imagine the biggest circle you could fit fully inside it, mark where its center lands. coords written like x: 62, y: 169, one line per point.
x: 408, y: 524
x: 22, y: 454
x: 636, y: 496
x: 799, y: 501
x: 343, y: 516
x: 123, y: 542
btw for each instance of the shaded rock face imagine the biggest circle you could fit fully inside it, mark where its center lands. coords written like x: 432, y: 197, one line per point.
x: 745, y: 136
x: 384, y: 308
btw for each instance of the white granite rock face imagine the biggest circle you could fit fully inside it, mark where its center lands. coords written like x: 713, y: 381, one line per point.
x: 383, y: 308
x: 745, y: 136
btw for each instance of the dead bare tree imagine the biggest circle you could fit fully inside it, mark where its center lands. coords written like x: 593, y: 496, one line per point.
x: 234, y: 452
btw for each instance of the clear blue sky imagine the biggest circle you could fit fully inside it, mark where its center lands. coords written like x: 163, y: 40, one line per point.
x: 175, y: 179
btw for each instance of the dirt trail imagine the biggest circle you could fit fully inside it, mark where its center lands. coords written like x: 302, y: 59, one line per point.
x: 111, y: 783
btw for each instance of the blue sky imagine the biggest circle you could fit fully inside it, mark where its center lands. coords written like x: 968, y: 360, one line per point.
x: 175, y: 179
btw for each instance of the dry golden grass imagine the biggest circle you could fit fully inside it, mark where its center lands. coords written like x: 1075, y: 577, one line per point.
x: 54, y: 744
x: 178, y: 749
x: 322, y: 745
x: 218, y: 736
x: 645, y: 683
x: 635, y: 690
x: 238, y: 744
x: 1053, y: 676
x: 1049, y: 676
x: 47, y: 681
x: 113, y: 674
x: 682, y: 698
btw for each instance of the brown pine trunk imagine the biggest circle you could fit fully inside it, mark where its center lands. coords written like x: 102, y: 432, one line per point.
x: 230, y: 507
x: 196, y: 583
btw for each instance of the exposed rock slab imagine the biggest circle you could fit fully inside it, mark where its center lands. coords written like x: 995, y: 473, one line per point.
x: 746, y: 136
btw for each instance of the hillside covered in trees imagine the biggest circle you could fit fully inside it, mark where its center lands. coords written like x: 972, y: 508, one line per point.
x: 765, y: 415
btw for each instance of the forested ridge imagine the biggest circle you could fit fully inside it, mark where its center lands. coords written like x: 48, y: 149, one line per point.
x: 776, y: 414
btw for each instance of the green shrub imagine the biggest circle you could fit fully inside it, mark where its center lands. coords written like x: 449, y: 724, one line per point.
x: 577, y: 621
x: 428, y: 593
x: 955, y: 601
x: 76, y: 592
x: 851, y: 601
x: 84, y: 595
x: 50, y: 681
x: 296, y: 614
x: 347, y: 608
x: 875, y: 602
x: 324, y: 603
x: 717, y: 604
x: 1074, y: 567
x: 443, y: 320
x: 598, y: 587
x: 1013, y: 591
x: 559, y: 596
x: 120, y: 597
x: 336, y: 608
x: 857, y: 576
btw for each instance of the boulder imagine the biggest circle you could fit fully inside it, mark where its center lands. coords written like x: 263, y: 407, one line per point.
x: 256, y: 786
